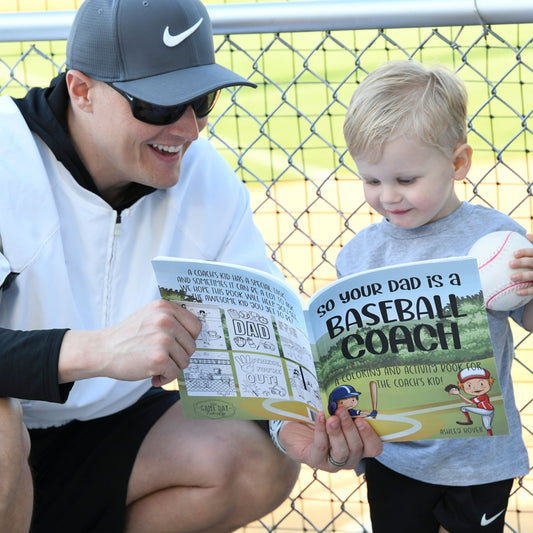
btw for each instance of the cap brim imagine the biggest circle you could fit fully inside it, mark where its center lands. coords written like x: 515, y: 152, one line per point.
x: 182, y: 85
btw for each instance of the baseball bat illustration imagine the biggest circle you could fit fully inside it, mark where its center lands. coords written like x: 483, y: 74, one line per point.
x: 374, y: 398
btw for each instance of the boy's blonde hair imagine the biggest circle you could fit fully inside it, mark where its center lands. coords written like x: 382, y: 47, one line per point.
x: 409, y: 99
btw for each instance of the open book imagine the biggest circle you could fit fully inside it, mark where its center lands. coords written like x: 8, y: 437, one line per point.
x: 400, y: 345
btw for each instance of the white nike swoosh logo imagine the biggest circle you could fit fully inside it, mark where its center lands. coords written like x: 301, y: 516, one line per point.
x: 486, y: 521
x: 173, y: 40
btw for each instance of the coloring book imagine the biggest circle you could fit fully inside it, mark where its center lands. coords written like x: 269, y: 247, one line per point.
x: 407, y: 346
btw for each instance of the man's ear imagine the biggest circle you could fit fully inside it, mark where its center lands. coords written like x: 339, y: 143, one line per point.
x: 79, y: 85
x: 462, y: 161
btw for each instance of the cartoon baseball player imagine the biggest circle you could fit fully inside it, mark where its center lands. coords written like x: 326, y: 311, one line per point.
x: 346, y: 396
x: 475, y: 382
x: 203, y: 336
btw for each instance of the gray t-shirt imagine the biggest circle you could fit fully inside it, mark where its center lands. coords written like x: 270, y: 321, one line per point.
x: 469, y: 461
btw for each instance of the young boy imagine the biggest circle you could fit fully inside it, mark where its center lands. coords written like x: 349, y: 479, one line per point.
x: 406, y: 130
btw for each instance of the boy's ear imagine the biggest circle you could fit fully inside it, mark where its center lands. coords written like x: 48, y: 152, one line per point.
x: 462, y: 160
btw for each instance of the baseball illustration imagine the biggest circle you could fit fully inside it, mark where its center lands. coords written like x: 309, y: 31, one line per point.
x: 374, y: 398
x: 493, y: 252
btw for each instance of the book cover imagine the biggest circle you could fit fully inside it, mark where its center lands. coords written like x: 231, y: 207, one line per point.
x: 413, y: 342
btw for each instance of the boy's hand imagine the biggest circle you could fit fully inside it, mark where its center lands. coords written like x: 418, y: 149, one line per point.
x: 523, y: 259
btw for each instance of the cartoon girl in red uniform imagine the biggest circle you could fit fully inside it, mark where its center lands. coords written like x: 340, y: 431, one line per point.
x: 475, y: 382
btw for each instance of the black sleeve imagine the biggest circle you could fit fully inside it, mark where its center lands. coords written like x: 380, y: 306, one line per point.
x: 29, y: 365
x: 263, y: 424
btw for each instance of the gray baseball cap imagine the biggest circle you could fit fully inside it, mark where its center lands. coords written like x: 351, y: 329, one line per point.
x: 160, y: 51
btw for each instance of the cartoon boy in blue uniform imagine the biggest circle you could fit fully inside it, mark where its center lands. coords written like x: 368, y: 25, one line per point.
x: 347, y: 397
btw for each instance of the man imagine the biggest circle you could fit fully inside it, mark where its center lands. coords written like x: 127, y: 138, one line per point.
x: 99, y: 173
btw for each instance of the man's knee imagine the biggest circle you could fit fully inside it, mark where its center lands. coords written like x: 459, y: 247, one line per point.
x: 14, y: 446
x: 262, y: 474
x: 281, y: 478
x: 14, y: 437
x: 277, y: 470
x: 16, y: 490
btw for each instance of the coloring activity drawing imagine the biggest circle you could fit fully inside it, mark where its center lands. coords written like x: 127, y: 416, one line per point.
x: 234, y: 357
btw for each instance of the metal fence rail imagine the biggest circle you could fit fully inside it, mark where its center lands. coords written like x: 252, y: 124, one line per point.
x: 299, y: 16
x: 285, y: 141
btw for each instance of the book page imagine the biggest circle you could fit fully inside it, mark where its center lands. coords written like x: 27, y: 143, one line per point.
x: 390, y: 344
x: 253, y: 359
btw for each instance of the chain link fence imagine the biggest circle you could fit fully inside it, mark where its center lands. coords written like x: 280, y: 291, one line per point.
x: 285, y: 141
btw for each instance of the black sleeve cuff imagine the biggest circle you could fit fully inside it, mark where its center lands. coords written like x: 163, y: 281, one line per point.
x: 29, y: 365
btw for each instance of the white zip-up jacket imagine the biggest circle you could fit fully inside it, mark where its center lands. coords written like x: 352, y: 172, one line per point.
x: 81, y: 266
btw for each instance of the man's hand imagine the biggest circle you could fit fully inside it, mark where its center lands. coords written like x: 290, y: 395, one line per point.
x: 156, y: 341
x: 339, y: 437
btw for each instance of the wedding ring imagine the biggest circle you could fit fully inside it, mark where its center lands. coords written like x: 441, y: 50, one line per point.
x: 335, y: 463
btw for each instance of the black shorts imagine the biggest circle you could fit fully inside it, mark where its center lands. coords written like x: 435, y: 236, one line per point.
x: 405, y: 505
x: 81, y: 470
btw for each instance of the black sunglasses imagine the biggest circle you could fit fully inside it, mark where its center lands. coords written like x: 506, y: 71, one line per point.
x: 161, y: 115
